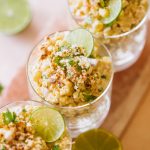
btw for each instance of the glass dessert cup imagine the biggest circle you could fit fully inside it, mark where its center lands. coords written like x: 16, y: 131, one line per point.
x: 126, y: 47
x: 19, y: 106
x: 78, y: 118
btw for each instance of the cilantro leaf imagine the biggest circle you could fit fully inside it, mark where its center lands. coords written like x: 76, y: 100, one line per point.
x: 79, y: 68
x: 3, y: 148
x: 57, y: 60
x: 103, y: 3
x: 89, y: 97
x: 9, y: 117
x: 24, y: 110
x: 56, y: 147
x: 71, y: 62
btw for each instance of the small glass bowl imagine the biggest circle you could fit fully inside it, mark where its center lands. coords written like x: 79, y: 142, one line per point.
x: 17, y: 106
x: 80, y: 118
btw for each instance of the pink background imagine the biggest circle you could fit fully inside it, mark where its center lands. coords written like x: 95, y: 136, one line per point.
x: 47, y: 16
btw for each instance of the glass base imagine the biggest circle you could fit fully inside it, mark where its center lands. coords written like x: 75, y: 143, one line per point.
x: 128, y: 59
x: 125, y: 50
x: 93, y: 120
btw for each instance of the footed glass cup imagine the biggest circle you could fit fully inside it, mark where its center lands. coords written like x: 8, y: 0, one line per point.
x: 17, y: 107
x: 125, y: 48
x: 80, y: 118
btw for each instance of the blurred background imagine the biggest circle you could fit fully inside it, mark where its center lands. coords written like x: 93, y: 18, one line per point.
x: 129, y: 115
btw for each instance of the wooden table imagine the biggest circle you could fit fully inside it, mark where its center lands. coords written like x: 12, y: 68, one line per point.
x: 129, y: 115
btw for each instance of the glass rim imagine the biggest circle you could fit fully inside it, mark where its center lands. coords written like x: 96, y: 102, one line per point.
x: 70, y: 107
x: 132, y: 30
x: 20, y: 101
x: 117, y: 35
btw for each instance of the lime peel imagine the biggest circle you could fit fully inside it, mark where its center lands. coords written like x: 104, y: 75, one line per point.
x: 115, y: 7
x: 97, y: 139
x: 14, y: 16
x: 83, y: 38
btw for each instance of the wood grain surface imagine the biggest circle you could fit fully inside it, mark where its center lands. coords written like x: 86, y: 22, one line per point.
x: 129, y: 88
x: 136, y: 135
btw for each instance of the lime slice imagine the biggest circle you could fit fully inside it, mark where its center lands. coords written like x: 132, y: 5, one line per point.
x: 83, y: 38
x: 48, y: 123
x: 97, y: 139
x: 15, y: 15
x: 114, y: 7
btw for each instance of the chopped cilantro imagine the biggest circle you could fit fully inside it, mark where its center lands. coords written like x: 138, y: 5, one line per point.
x: 3, y: 148
x: 56, y: 147
x: 57, y: 60
x: 102, y: 3
x: 79, y: 68
x: 9, y: 117
x: 71, y: 62
x: 24, y: 110
x: 89, y: 97
x: 91, y: 56
x: 61, y: 48
x: 1, y: 88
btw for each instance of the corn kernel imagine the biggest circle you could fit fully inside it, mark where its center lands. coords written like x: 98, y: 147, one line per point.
x: 38, y: 76
x: 98, y: 26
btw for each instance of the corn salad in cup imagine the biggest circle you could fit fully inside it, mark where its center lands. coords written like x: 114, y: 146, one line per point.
x: 72, y: 77
x: 17, y: 131
x: 120, y: 24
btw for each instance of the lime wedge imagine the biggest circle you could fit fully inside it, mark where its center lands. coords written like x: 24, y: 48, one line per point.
x: 114, y: 7
x: 15, y: 15
x: 48, y: 123
x: 97, y: 139
x: 83, y: 38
